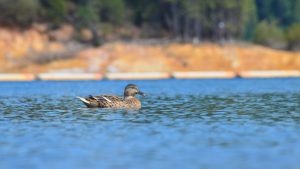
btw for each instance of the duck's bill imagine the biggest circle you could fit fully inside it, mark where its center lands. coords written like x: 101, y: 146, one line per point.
x: 141, y: 93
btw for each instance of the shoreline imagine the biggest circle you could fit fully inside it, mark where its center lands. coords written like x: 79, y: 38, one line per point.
x: 10, y: 77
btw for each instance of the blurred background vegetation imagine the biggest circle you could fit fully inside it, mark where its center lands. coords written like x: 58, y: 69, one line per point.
x: 273, y: 23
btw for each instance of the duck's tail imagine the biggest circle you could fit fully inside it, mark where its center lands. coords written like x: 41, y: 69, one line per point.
x: 84, y: 100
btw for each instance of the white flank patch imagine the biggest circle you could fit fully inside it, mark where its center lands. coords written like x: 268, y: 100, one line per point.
x: 83, y: 100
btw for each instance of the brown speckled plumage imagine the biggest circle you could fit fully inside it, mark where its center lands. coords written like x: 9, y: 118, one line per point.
x: 108, y: 101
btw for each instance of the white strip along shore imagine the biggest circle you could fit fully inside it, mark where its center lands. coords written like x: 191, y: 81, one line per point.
x: 149, y: 75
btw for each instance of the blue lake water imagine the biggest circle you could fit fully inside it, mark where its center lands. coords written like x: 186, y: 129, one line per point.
x: 228, y: 124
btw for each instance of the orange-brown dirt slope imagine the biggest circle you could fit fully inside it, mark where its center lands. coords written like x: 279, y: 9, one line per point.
x: 36, y: 50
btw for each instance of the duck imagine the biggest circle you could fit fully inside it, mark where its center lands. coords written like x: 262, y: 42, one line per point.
x: 128, y: 101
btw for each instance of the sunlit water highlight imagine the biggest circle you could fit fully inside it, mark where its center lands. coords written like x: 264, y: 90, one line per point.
x: 207, y: 124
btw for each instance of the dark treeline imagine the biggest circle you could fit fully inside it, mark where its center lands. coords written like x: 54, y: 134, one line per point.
x: 274, y: 23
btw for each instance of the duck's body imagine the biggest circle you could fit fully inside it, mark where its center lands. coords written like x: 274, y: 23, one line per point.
x: 109, y: 101
x: 115, y: 102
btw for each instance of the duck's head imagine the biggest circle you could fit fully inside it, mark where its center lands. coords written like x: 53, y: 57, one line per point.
x: 131, y: 90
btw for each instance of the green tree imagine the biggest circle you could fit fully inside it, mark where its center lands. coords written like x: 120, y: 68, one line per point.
x: 55, y: 10
x: 112, y: 11
x: 269, y: 34
x: 249, y: 19
x: 296, y: 11
x: 87, y: 16
x: 283, y: 12
x: 20, y: 12
x: 293, y: 36
x: 264, y: 10
x: 91, y: 13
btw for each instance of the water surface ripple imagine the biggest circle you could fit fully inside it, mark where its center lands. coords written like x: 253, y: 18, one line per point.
x: 207, y: 124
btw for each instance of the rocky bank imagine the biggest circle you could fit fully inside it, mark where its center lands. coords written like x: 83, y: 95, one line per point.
x: 38, y: 50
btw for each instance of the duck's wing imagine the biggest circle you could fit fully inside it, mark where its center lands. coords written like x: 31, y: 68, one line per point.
x: 106, y: 98
x: 102, y: 101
